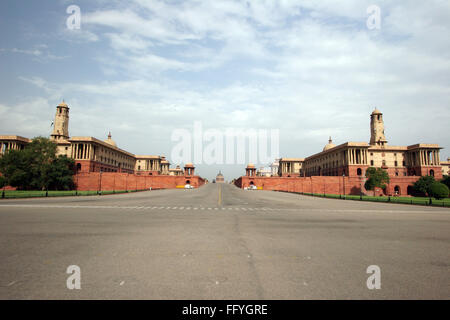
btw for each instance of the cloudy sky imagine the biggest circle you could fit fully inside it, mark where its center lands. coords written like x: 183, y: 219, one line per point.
x: 144, y: 68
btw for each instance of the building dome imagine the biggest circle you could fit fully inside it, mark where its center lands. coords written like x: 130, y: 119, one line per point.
x: 219, y: 177
x: 63, y: 104
x: 250, y: 165
x: 376, y: 111
x: 111, y: 141
x: 329, y: 146
x: 189, y: 165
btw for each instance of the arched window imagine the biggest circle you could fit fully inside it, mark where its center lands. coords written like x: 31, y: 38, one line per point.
x: 359, y: 172
x: 432, y: 173
x: 397, y: 190
x: 78, y: 166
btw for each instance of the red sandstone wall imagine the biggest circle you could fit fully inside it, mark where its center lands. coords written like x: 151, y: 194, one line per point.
x: 324, y: 184
x: 109, y: 181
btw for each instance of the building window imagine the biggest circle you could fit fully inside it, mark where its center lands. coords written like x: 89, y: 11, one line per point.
x: 359, y: 172
x: 396, y: 163
x: 404, y: 163
x: 432, y: 173
x: 371, y: 162
x: 396, y: 174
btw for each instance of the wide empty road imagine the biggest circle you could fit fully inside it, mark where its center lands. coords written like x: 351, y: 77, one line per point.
x: 220, y: 242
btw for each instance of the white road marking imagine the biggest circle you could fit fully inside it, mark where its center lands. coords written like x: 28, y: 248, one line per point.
x: 34, y: 206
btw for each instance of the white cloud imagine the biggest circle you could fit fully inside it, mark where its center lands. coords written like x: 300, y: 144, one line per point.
x: 309, y: 68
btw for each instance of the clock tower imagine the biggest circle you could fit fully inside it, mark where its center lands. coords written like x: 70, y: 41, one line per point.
x: 377, y: 137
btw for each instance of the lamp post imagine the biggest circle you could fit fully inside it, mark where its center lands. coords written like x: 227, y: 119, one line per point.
x: 100, y: 184
x: 360, y: 187
x: 343, y: 183
x: 76, y: 187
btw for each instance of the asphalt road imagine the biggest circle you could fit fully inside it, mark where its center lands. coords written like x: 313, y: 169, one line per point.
x: 220, y: 242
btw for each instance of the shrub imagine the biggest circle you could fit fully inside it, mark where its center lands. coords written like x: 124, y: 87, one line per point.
x: 446, y: 180
x: 439, y: 190
x: 423, y: 185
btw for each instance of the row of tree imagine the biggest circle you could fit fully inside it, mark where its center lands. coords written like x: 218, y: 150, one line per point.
x: 37, y: 167
x: 425, y: 186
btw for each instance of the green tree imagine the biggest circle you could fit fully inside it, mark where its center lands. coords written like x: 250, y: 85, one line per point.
x: 15, y: 169
x: 60, y: 176
x: 423, y: 185
x: 2, y: 182
x: 446, y: 180
x: 37, y: 167
x: 439, y: 190
x: 376, y: 177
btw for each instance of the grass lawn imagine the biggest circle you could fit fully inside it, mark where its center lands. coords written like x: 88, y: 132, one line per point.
x: 405, y: 200
x: 36, y: 194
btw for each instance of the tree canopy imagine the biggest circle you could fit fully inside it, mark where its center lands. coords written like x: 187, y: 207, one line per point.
x: 37, y: 167
x: 423, y: 185
x: 446, y: 180
x: 2, y: 182
x: 376, y: 177
x: 439, y: 190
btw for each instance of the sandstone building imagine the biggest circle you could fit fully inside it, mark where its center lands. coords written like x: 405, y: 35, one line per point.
x: 220, y: 178
x: 353, y: 158
x: 94, y: 155
x: 348, y: 163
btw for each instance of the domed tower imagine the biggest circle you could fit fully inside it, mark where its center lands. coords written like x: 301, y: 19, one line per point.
x: 250, y: 171
x: 330, y: 145
x: 110, y: 141
x: 189, y: 169
x: 377, y: 137
x: 220, y: 178
x: 61, y: 122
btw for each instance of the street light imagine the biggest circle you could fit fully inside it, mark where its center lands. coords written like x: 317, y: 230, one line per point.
x: 360, y: 187
x: 343, y: 183
x: 100, y: 191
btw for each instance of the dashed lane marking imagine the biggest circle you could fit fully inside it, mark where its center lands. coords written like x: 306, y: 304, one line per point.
x: 246, y: 209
